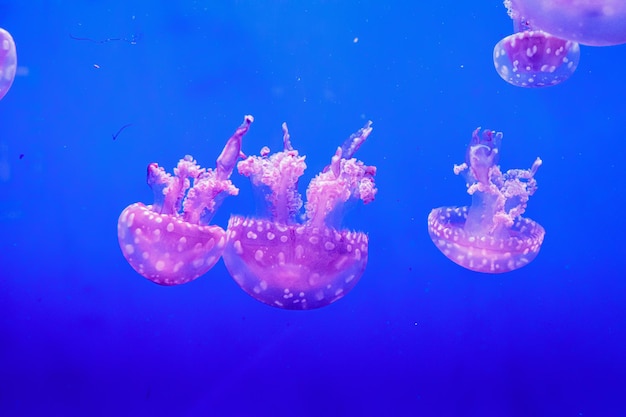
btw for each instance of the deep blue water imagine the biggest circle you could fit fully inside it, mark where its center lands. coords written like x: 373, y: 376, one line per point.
x: 82, y: 334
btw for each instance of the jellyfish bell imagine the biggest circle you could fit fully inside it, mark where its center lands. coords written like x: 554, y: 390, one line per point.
x: 545, y: 50
x: 8, y: 62
x: 495, y: 254
x: 588, y: 22
x: 166, y: 250
x: 534, y: 58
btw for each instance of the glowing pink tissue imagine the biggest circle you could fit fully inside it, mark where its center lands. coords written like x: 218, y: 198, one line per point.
x: 307, y: 264
x: 8, y: 62
x: 171, y: 241
x: 544, y: 51
x: 490, y: 236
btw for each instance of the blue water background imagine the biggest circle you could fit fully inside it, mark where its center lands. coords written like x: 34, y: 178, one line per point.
x: 82, y: 334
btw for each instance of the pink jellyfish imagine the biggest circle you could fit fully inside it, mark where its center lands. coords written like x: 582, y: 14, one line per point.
x: 301, y: 265
x: 8, y: 62
x: 171, y: 242
x: 545, y: 50
x: 490, y: 236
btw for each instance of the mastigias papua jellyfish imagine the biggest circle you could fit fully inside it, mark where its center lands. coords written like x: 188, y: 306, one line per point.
x: 171, y: 242
x: 8, y: 62
x: 490, y: 236
x: 545, y: 50
x: 290, y: 263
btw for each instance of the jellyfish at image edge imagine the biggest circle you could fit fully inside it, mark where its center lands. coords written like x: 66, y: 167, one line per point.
x: 171, y: 242
x: 8, y: 62
x: 545, y: 49
x: 490, y: 236
x: 297, y: 265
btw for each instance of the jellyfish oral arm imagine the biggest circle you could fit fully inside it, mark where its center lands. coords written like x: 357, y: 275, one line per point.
x: 169, y: 190
x: 342, y: 180
x: 483, y: 153
x: 354, y: 142
x: 497, y: 199
x: 232, y: 151
x: 278, y: 174
x: 347, y: 179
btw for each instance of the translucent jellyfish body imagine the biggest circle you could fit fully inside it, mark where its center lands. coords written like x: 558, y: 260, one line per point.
x: 8, y: 62
x: 588, y: 22
x: 490, y: 236
x: 171, y: 241
x: 545, y: 50
x: 293, y: 264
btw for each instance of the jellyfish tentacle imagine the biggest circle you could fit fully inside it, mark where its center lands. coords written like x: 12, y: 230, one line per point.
x: 232, y: 151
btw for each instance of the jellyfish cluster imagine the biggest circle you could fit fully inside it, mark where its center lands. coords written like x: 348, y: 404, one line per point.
x: 297, y: 256
x: 544, y: 50
x: 288, y: 259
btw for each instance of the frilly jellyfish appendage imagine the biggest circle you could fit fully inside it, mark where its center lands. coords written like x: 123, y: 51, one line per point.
x: 534, y: 58
x: 171, y: 241
x: 588, y: 22
x: 8, y: 62
x: 293, y: 263
x: 490, y: 236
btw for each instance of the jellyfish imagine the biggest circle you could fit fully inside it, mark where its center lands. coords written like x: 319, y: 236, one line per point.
x: 171, y: 242
x: 490, y: 236
x: 307, y: 262
x: 8, y: 62
x: 545, y: 50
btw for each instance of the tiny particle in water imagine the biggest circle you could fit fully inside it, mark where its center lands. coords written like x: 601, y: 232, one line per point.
x: 21, y: 156
x: 96, y: 66
x: 115, y: 135
x: 355, y: 40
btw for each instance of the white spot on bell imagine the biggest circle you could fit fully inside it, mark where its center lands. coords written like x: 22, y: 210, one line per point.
x: 237, y: 247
